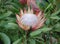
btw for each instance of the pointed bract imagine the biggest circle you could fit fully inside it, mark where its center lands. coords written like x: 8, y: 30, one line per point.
x: 32, y: 11
x: 18, y: 18
x: 25, y: 11
x: 29, y: 11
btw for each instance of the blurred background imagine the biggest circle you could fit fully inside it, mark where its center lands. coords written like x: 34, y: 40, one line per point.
x: 11, y: 33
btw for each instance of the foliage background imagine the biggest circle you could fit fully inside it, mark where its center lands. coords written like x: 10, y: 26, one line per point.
x: 10, y: 33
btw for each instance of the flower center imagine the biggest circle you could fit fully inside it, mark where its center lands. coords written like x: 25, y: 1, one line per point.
x: 29, y: 19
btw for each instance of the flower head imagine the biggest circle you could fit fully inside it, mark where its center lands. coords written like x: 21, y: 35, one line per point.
x: 28, y: 19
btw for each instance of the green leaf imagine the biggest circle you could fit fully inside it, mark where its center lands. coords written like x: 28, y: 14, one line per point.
x: 18, y: 41
x: 45, y: 29
x: 55, y: 17
x: 57, y: 27
x: 48, y: 21
x: 35, y: 32
x: 12, y: 8
x: 55, y: 13
x: 5, y: 38
x: 32, y: 41
x: 48, y: 7
x: 11, y: 26
x: 5, y: 15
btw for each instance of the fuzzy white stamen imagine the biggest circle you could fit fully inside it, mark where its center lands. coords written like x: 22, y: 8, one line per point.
x: 29, y: 19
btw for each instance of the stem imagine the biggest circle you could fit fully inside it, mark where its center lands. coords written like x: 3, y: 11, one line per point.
x: 51, y: 39
x: 27, y: 36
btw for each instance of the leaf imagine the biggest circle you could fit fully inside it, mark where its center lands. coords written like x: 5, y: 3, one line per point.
x: 48, y: 7
x: 55, y: 13
x: 5, y: 38
x: 32, y: 41
x: 55, y: 17
x: 48, y: 21
x: 57, y: 27
x: 11, y: 26
x: 35, y: 32
x: 17, y: 41
x: 5, y: 15
x: 45, y: 29
x: 12, y: 8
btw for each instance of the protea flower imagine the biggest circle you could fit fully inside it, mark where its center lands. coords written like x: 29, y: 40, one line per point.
x: 28, y: 19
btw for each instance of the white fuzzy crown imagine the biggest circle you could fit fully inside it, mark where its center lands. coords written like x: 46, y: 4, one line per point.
x: 29, y: 19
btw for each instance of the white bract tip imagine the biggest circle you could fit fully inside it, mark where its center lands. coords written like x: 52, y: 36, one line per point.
x: 29, y: 19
